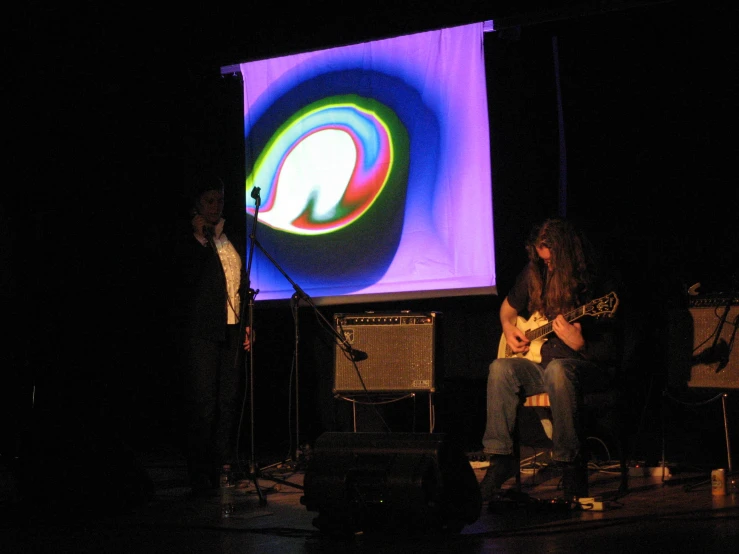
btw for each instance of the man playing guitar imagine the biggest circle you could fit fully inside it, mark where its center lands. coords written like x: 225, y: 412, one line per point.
x: 556, y: 351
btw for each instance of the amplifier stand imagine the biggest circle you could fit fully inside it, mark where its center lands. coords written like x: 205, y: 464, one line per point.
x: 388, y: 398
x: 720, y: 395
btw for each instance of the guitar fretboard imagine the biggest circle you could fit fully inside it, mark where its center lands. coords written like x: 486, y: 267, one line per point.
x: 539, y: 332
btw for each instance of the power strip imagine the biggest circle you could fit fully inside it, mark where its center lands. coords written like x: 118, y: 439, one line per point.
x: 644, y: 471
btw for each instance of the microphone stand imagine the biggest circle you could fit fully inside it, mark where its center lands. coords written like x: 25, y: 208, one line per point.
x: 295, y: 301
x: 299, y: 294
x: 253, y: 471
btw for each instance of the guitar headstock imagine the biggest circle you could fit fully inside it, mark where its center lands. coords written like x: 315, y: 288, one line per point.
x: 605, y: 306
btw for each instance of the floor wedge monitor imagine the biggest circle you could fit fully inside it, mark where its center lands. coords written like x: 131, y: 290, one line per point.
x: 390, y: 482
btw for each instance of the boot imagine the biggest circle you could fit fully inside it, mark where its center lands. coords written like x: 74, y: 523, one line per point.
x: 502, y: 467
x: 574, y: 479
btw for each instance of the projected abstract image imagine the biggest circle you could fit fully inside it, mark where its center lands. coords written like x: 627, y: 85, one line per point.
x: 372, y: 167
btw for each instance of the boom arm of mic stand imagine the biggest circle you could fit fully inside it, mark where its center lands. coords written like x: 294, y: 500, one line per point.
x: 722, y: 321
x: 302, y: 295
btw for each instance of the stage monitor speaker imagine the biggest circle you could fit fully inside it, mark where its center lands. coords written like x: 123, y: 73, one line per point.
x: 392, y: 352
x: 390, y: 483
x: 703, y: 351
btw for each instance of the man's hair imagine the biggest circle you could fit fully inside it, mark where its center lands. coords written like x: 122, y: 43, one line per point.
x: 573, y: 267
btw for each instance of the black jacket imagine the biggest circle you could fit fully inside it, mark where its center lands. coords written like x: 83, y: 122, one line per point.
x: 201, y: 289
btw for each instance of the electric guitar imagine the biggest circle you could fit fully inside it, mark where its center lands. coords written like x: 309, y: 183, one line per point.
x: 536, y: 328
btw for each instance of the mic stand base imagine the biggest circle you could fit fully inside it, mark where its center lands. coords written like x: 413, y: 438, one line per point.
x: 288, y: 467
x: 284, y: 482
x: 252, y: 476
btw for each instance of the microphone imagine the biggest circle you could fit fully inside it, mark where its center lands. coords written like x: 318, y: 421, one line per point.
x: 208, y: 231
x: 719, y: 352
x: 358, y: 355
x: 255, y: 193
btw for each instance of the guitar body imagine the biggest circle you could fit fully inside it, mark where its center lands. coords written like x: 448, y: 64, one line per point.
x: 534, y: 353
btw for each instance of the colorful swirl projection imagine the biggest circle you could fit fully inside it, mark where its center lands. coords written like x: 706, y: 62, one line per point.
x: 327, y: 165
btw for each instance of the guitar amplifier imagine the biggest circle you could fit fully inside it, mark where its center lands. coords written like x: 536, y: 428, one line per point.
x: 704, y: 353
x: 390, y: 352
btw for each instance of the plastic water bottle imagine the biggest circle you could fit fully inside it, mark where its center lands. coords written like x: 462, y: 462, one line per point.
x: 226, y: 491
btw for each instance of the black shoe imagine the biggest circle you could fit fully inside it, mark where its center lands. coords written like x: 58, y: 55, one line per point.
x: 501, y: 468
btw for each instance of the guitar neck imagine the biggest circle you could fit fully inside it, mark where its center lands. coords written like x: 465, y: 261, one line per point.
x: 546, y: 329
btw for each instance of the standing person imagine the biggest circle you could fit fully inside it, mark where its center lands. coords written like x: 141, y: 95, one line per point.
x: 577, y: 357
x: 213, y: 289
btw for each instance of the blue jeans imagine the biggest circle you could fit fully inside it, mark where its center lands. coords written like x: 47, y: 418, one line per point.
x: 511, y: 379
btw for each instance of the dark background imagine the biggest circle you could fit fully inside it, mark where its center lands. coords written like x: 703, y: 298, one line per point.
x: 112, y: 107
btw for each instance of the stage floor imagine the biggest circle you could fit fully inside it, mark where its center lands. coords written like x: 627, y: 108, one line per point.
x: 676, y: 512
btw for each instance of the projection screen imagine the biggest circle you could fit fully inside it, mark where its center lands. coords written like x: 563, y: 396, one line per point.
x: 370, y: 168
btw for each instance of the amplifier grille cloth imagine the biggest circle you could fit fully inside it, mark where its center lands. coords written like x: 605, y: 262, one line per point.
x: 399, y: 358
x: 714, y: 368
